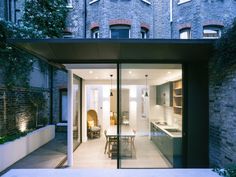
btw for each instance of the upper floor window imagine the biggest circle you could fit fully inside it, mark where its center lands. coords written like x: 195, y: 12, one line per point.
x: 69, y: 3
x: 95, y: 33
x: 185, y: 33
x: 67, y: 34
x: 120, y: 31
x: 93, y: 1
x: 183, y: 1
x: 144, y: 33
x: 212, y: 32
x: 146, y: 1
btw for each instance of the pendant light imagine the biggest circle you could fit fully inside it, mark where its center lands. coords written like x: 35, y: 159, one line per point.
x: 146, y: 93
x: 111, y: 94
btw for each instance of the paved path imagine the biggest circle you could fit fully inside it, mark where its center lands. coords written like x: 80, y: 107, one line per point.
x: 49, y: 155
x: 112, y: 173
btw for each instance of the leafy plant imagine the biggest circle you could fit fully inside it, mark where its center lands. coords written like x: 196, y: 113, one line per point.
x: 48, y: 16
x: 10, y: 30
x: 44, y: 121
x: 38, y: 102
x: 225, y: 49
x: 226, y: 172
x: 14, y: 136
x: 16, y: 69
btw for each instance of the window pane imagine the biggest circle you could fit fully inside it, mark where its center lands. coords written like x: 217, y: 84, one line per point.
x: 211, y: 32
x: 184, y: 34
x: 150, y: 116
x: 119, y: 33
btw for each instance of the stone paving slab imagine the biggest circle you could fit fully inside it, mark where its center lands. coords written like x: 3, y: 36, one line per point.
x: 111, y: 173
x: 48, y: 156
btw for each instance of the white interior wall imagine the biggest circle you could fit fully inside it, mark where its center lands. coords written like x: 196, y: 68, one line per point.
x: 162, y: 113
x: 137, y: 122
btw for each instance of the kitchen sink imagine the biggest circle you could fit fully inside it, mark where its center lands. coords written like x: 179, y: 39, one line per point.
x: 172, y: 130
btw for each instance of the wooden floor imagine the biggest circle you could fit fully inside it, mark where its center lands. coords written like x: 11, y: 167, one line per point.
x: 91, y: 155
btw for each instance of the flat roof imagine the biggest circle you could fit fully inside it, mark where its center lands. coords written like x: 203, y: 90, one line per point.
x: 115, y: 50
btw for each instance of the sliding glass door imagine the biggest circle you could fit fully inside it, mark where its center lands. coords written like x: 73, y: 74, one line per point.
x: 150, y: 115
x: 132, y: 115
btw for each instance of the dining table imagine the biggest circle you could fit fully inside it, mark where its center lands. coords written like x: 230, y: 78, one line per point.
x: 126, y: 137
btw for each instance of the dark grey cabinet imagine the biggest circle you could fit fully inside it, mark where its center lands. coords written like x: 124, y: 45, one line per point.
x: 169, y: 146
x: 164, y: 94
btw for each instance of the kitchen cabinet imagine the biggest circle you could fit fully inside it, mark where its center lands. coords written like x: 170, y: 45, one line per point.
x: 164, y: 94
x: 170, y: 147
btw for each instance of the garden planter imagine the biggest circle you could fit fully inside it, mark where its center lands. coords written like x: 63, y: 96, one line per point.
x: 11, y: 152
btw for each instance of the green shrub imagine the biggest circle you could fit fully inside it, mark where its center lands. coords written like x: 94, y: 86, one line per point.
x: 13, y: 137
x: 229, y: 171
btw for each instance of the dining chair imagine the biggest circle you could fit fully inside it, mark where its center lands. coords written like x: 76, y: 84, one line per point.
x: 107, y: 141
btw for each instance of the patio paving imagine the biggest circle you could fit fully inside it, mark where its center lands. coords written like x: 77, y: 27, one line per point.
x: 113, y: 173
x: 49, y: 155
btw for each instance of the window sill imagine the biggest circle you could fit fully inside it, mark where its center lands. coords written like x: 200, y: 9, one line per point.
x: 93, y: 1
x: 180, y: 3
x: 146, y: 1
x: 69, y: 6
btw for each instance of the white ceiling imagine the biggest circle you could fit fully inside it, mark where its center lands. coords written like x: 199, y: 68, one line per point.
x: 132, y: 76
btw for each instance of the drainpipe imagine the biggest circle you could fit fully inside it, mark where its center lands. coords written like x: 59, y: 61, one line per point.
x: 171, y: 18
x: 85, y: 18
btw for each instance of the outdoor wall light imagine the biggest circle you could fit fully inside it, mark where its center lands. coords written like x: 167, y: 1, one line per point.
x: 23, y: 127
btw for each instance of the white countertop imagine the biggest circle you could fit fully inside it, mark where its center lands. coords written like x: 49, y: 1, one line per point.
x: 163, y: 127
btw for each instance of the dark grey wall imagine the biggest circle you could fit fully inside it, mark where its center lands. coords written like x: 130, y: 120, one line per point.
x: 196, y: 114
x: 59, y: 82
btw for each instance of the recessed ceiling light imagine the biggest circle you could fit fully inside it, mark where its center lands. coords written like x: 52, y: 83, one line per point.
x: 90, y: 72
x: 130, y: 72
x: 169, y: 72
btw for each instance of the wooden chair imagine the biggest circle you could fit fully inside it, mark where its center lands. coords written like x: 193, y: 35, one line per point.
x: 107, y: 141
x: 92, y: 123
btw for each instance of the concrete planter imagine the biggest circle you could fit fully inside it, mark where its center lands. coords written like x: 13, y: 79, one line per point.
x: 13, y: 151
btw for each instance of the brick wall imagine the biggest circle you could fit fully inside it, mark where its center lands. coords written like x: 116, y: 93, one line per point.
x: 17, y: 112
x: 17, y: 109
x: 2, y: 9
x: 197, y: 13
x: 222, y: 116
x: 103, y: 12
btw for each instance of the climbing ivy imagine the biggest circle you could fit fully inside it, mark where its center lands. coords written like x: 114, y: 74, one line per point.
x: 224, y: 58
x: 48, y: 16
x: 15, y: 68
x: 225, y: 49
